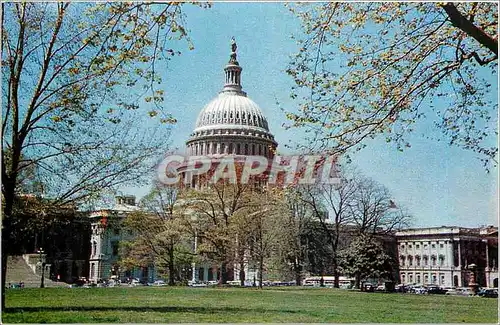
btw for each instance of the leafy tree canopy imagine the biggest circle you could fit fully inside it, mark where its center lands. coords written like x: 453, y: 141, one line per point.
x: 365, y: 69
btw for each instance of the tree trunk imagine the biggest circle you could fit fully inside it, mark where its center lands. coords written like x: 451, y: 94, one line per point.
x: 358, y: 280
x: 261, y: 270
x: 242, y: 272
x: 336, y: 281
x: 171, y: 268
x: 8, y: 193
x: 298, y: 275
x: 223, y: 273
x: 335, y: 247
x: 4, y: 274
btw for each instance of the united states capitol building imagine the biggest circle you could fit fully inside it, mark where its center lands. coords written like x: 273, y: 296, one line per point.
x: 230, y: 124
x: 233, y: 124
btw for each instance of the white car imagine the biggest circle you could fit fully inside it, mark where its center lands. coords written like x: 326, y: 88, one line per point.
x: 420, y: 290
x: 159, y: 283
x: 135, y: 283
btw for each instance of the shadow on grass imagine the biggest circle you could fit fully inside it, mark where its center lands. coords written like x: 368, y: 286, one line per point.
x: 165, y: 309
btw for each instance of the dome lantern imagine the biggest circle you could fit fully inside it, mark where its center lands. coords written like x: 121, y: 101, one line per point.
x: 233, y: 72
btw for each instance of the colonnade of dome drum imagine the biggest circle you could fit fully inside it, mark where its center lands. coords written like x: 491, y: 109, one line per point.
x: 200, y: 148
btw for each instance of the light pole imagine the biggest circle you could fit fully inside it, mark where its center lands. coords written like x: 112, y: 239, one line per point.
x: 42, y: 263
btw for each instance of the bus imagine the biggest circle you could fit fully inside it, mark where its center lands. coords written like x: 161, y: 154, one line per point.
x: 328, y: 281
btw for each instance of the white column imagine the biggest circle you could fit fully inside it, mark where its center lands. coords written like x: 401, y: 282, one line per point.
x: 459, y: 255
x: 449, y: 253
x: 487, y: 269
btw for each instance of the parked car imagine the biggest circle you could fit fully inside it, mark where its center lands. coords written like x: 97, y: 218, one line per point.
x: 159, y: 283
x: 452, y: 292
x: 346, y: 286
x: 402, y: 288
x: 368, y: 287
x: 488, y: 293
x: 419, y: 290
x: 380, y: 287
x: 197, y: 284
x: 113, y: 283
x: 135, y: 282
x: 460, y: 292
x: 433, y: 290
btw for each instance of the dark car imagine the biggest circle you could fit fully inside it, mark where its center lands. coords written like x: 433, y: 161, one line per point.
x: 368, y: 287
x: 402, y: 288
x: 435, y: 290
x: 488, y: 293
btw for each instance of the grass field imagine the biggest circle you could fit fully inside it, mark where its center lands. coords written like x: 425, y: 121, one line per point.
x: 181, y: 304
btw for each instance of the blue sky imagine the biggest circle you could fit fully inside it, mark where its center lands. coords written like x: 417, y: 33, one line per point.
x: 438, y: 184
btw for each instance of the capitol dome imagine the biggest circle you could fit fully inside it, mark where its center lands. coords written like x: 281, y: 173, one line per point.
x: 231, y: 109
x: 231, y: 123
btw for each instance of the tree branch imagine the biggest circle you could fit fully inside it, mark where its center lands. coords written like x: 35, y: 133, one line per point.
x: 459, y: 21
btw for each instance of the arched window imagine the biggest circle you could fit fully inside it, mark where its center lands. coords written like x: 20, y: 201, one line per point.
x: 426, y: 260
x: 417, y: 260
x: 433, y: 260
x: 441, y: 260
x: 410, y: 260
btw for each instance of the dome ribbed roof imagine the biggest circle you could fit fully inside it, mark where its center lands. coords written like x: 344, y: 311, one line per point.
x: 231, y: 108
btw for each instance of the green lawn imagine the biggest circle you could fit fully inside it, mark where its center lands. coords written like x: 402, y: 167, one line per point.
x: 180, y: 304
